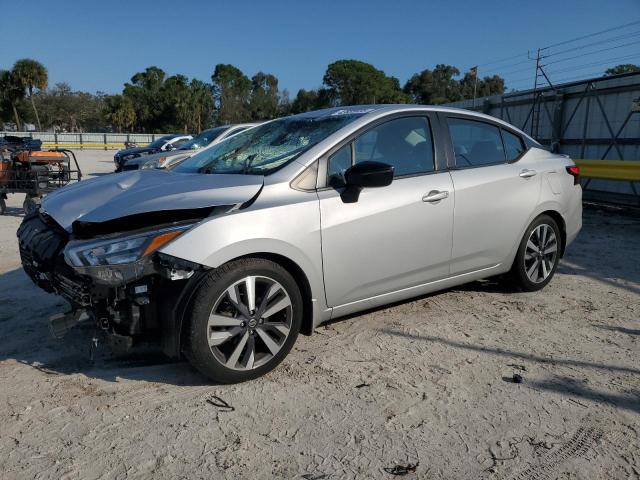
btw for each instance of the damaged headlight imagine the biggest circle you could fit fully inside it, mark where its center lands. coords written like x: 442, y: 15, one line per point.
x: 121, y: 250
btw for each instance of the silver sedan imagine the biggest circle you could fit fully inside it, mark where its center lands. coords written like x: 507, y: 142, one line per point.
x: 308, y: 218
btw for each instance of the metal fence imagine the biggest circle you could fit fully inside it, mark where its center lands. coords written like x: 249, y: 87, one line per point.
x: 596, y: 119
x: 88, y: 140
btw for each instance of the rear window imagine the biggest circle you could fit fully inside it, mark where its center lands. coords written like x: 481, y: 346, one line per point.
x: 513, y: 145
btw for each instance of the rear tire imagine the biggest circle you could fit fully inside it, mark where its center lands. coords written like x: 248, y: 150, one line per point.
x: 538, y: 255
x: 243, y: 320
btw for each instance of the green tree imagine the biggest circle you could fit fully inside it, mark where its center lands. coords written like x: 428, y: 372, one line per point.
x: 120, y: 112
x: 623, y: 68
x: 231, y: 91
x: 145, y: 95
x: 11, y: 92
x: 307, y: 100
x: 201, y: 105
x: 353, y: 82
x: 484, y: 87
x: 31, y: 75
x: 440, y: 85
x: 65, y: 110
x: 176, y: 96
x: 433, y: 87
x: 265, y: 102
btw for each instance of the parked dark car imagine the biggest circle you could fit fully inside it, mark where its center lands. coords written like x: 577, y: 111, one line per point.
x: 162, y: 144
x: 158, y: 160
x: 12, y: 143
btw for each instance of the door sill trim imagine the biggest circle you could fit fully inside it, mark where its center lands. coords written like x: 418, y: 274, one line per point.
x: 408, y: 290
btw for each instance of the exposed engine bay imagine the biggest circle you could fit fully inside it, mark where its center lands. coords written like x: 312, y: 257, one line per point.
x: 97, y: 244
x: 127, y: 300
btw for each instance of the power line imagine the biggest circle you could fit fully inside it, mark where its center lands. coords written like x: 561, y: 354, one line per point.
x: 520, y: 55
x: 583, y: 37
x: 502, y: 60
x: 607, y: 62
x: 599, y: 42
x: 592, y: 53
x: 593, y: 64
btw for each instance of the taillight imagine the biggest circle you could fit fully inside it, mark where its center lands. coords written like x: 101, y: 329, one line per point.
x: 574, y: 171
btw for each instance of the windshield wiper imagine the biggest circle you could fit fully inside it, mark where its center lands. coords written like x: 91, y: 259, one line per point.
x: 248, y: 162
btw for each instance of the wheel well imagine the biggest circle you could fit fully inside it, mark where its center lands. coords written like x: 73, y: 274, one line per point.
x: 563, y: 228
x: 301, y: 279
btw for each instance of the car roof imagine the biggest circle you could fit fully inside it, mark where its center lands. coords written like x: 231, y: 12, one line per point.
x: 369, y: 111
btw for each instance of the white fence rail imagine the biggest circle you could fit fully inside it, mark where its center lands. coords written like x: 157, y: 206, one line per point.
x: 104, y: 141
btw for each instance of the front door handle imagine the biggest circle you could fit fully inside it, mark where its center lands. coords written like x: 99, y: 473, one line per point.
x: 435, y: 196
x: 528, y: 173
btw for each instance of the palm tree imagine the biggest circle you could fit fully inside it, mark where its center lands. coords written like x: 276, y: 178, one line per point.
x: 120, y: 112
x: 31, y: 74
x: 11, y: 92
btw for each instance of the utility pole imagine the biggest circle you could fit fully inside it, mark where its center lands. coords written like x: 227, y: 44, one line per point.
x: 536, y: 104
x: 535, y: 98
x: 474, y: 71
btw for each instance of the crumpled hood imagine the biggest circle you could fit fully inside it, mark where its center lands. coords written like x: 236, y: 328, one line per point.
x: 137, y: 192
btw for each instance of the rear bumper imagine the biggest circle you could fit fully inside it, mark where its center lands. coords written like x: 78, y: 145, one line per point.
x: 573, y: 217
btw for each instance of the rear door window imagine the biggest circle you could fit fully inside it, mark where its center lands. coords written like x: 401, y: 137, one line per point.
x: 513, y: 145
x: 476, y: 143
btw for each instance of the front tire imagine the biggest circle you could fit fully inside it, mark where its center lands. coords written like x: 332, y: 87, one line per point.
x: 243, y: 320
x: 538, y: 255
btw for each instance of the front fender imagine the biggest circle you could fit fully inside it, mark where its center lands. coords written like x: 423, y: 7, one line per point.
x: 291, y: 230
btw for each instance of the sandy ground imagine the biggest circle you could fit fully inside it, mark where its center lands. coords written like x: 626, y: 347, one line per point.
x: 423, y: 383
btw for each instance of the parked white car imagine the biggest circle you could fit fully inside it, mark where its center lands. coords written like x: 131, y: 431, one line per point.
x: 205, y: 139
x: 162, y: 144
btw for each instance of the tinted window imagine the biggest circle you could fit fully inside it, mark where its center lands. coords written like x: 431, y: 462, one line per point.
x: 513, y: 145
x: 204, y: 138
x: 404, y: 143
x: 180, y: 142
x: 475, y: 143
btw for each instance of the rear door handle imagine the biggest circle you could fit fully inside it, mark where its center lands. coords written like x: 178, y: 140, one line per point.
x: 435, y: 196
x: 528, y: 173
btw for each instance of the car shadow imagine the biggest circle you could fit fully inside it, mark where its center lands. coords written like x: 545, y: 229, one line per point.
x: 570, y: 387
x: 596, y: 252
x: 13, y: 212
x: 558, y: 384
x: 25, y: 338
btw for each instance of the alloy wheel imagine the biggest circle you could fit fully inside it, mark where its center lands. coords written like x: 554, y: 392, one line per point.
x: 249, y: 323
x: 540, y: 253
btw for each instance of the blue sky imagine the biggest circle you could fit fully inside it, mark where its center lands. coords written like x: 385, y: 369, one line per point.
x: 100, y: 45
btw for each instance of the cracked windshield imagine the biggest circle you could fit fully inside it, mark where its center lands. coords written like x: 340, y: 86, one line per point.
x: 265, y: 148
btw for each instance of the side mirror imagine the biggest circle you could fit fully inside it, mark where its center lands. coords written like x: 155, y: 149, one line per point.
x: 169, y: 147
x: 555, y: 147
x: 365, y: 175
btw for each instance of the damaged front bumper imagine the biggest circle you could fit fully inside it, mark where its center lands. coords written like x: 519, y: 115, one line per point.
x: 137, y: 300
